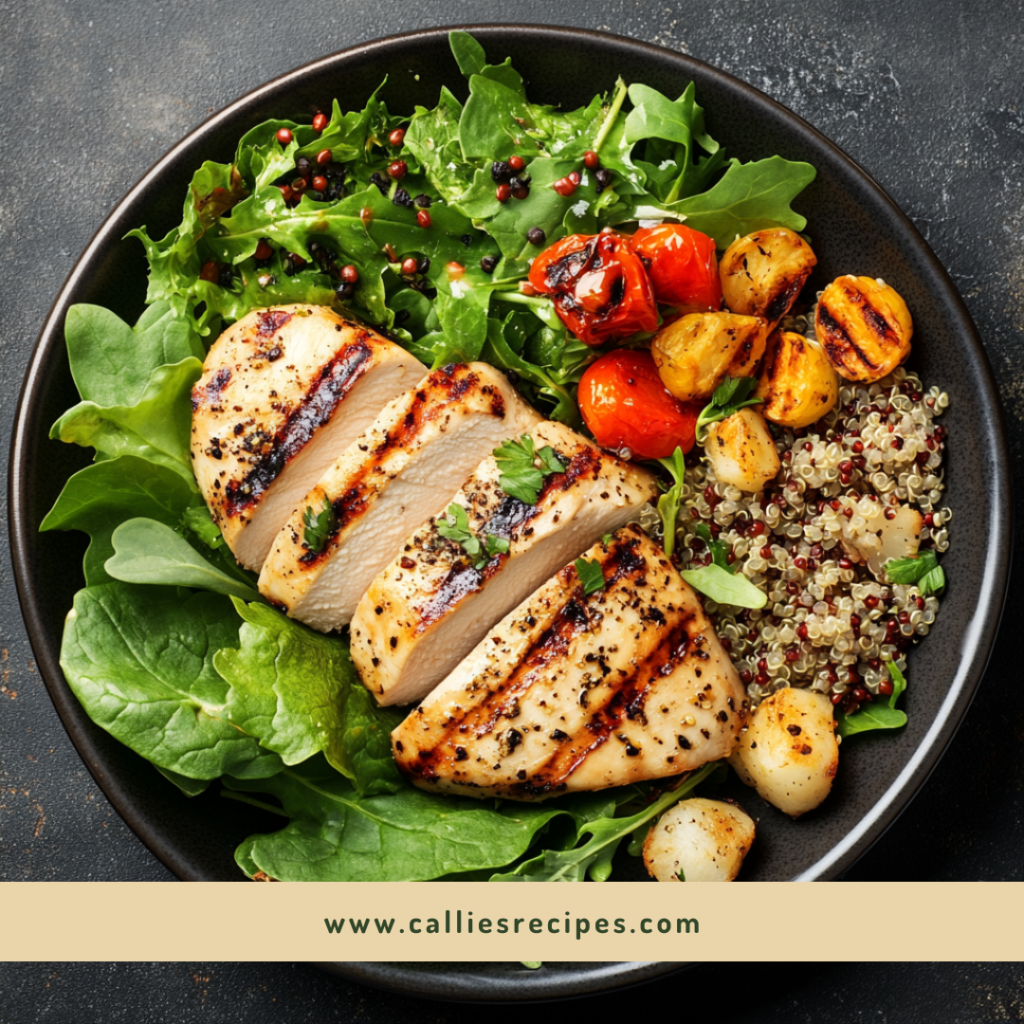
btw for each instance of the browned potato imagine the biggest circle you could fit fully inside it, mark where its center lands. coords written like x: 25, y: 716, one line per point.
x: 695, y: 353
x: 742, y: 451
x: 864, y: 327
x: 763, y: 273
x: 797, y: 382
x: 699, y: 840
x: 789, y: 751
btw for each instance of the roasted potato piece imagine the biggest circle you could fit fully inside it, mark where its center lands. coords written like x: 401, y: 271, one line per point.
x: 763, y: 273
x: 789, y: 751
x: 864, y: 327
x: 699, y: 840
x: 697, y: 352
x: 742, y: 451
x: 797, y: 382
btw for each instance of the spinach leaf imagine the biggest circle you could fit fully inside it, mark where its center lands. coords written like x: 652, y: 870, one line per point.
x: 724, y: 587
x: 298, y: 693
x: 190, y: 787
x: 140, y: 660
x: 473, y: 61
x: 156, y: 427
x: 148, y: 551
x: 668, y: 503
x: 96, y: 499
x: 433, y: 138
x: 593, y: 857
x: 112, y: 362
x: 748, y: 197
x: 336, y: 835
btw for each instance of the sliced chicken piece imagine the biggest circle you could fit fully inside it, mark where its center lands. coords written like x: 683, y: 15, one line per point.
x: 284, y: 391
x: 580, y: 692
x: 388, y: 482
x: 431, y: 606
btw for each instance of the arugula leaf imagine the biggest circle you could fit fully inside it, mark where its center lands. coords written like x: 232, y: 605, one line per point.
x: 297, y: 692
x: 336, y: 835
x: 319, y: 526
x: 591, y: 575
x: 156, y: 427
x: 725, y: 588
x: 877, y: 715
x: 520, y: 476
x: 148, y: 551
x: 594, y: 856
x: 924, y: 570
x: 668, y: 503
x: 140, y: 660
x: 730, y: 396
x: 96, y: 499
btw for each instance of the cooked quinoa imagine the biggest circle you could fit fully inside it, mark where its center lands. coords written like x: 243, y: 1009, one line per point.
x: 829, y: 622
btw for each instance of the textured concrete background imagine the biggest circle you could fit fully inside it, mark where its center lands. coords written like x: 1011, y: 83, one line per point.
x: 927, y: 95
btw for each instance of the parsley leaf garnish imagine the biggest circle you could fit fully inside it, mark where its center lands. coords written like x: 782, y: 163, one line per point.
x: 591, y: 576
x: 455, y: 527
x: 730, y: 396
x: 318, y: 526
x: 521, y: 477
x: 924, y: 570
x: 668, y: 503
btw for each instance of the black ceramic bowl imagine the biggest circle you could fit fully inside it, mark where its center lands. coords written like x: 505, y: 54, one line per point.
x: 855, y: 228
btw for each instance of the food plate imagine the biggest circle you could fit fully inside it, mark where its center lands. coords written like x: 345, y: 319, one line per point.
x: 853, y: 225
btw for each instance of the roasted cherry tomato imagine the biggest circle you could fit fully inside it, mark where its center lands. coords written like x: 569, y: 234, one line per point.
x: 625, y: 405
x: 599, y: 286
x: 682, y: 266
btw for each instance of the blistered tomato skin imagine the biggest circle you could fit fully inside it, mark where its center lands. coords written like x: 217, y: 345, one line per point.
x: 599, y: 286
x: 626, y: 406
x: 682, y: 266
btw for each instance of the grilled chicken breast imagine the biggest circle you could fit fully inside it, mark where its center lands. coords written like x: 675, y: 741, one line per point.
x: 387, y: 482
x: 283, y: 392
x: 431, y: 605
x: 575, y: 692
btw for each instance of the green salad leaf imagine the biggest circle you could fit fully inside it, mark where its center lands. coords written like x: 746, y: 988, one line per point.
x: 140, y: 660
x: 923, y: 569
x: 96, y: 499
x: 733, y: 394
x: 148, y: 551
x: 877, y: 715
x: 668, y: 503
x: 336, y: 835
x: 725, y: 587
x: 298, y: 693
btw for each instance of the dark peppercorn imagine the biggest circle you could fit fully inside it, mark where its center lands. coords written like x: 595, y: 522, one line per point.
x: 500, y: 171
x: 536, y: 236
x: 424, y: 265
x: 303, y: 168
x: 401, y: 316
x: 488, y: 263
x: 423, y: 200
x: 381, y: 182
x: 520, y: 187
x: 344, y: 291
x: 402, y: 198
x: 225, y: 277
x: 466, y: 240
x: 602, y: 178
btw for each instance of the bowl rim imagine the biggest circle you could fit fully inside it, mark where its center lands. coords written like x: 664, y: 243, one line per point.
x: 978, y: 643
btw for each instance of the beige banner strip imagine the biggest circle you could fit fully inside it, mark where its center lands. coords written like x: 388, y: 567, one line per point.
x: 150, y: 921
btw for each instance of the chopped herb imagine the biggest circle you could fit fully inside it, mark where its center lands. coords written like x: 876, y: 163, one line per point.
x: 924, y: 570
x: 319, y: 526
x: 730, y: 396
x: 523, y: 468
x: 455, y: 527
x: 668, y: 503
x: 591, y: 575
x: 681, y: 875
x: 606, y: 539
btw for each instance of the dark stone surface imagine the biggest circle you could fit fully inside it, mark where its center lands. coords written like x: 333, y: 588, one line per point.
x: 927, y: 96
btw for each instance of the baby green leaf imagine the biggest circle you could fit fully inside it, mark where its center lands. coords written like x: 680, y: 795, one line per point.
x: 877, y: 715
x: 668, y: 503
x: 730, y: 396
x: 924, y: 570
x: 725, y: 588
x: 718, y: 548
x: 521, y: 477
x: 147, y: 551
